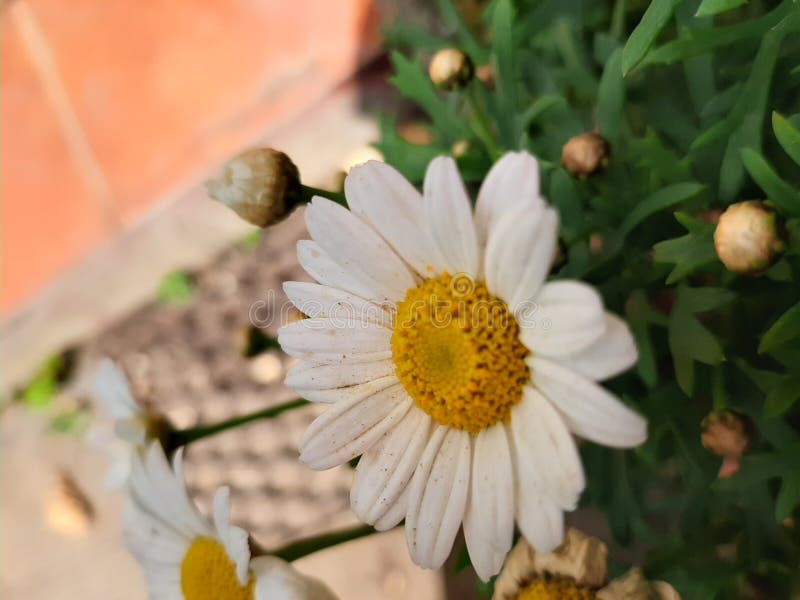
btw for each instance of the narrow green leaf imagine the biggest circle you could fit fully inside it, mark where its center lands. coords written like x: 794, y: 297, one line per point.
x: 712, y: 7
x: 786, y: 328
x: 412, y: 83
x: 471, y: 46
x: 788, y: 497
x: 663, y: 198
x: 783, y: 195
x: 782, y: 396
x: 704, y: 299
x: 506, y: 80
x: 788, y: 136
x: 537, y: 108
x: 689, y: 252
x: 653, y: 21
x: 611, y: 97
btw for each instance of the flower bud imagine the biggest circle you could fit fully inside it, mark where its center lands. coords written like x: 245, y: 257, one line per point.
x: 260, y: 185
x: 585, y: 154
x: 725, y: 434
x: 747, y: 239
x: 485, y: 73
x: 451, y: 69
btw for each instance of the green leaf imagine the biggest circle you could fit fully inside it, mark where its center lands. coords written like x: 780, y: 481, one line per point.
x: 564, y: 196
x: 783, y: 195
x: 786, y: 328
x: 412, y: 83
x: 663, y: 198
x: 788, y: 497
x: 39, y: 392
x: 788, y: 136
x: 704, y: 299
x: 653, y: 21
x: 689, y: 252
x: 470, y: 45
x: 611, y: 97
x: 175, y: 288
x: 506, y: 80
x: 782, y: 396
x: 537, y: 109
x: 712, y: 7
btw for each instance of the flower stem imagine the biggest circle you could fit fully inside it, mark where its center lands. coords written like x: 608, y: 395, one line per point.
x: 480, y: 126
x: 307, y: 546
x: 183, y: 437
x: 309, y: 192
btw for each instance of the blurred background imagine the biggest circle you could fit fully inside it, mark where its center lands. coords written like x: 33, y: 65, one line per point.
x: 112, y: 116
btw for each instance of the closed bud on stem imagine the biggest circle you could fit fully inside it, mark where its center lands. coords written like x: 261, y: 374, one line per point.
x: 260, y: 185
x: 451, y: 69
x: 585, y: 154
x: 747, y: 237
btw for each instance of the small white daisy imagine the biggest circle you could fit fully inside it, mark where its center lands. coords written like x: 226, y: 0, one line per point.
x: 185, y: 556
x: 454, y: 369
x: 133, y: 427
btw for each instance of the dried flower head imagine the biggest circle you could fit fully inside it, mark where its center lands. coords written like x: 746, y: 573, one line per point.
x: 260, y: 185
x: 451, y: 69
x: 585, y: 154
x: 747, y: 239
x: 576, y: 570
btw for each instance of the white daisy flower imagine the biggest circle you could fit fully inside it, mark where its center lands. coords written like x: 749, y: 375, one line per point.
x: 454, y: 369
x: 133, y: 427
x: 185, y: 556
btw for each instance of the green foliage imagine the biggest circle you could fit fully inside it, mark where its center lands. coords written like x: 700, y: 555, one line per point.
x: 41, y: 389
x: 699, y: 101
x: 175, y: 288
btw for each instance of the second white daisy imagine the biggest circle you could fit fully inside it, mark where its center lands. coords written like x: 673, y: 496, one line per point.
x: 454, y: 369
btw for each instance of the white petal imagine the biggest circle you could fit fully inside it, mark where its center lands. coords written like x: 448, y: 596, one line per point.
x: 317, y: 300
x: 611, y: 354
x: 111, y: 387
x: 132, y: 430
x: 382, y: 197
x: 540, y: 520
x: 566, y: 317
x: 278, y: 580
x: 394, y: 513
x: 234, y: 539
x: 351, y: 392
x: 357, y: 248
x: 305, y: 375
x: 319, y: 265
x: 512, y: 181
x: 590, y: 411
x: 349, y: 428
x: 324, y: 341
x: 519, y: 253
x: 385, y: 470
x: 542, y: 438
x: 449, y: 217
x: 489, y: 518
x: 438, y: 497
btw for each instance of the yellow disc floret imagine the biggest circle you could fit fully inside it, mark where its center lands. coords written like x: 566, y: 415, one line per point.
x: 208, y: 573
x: 457, y: 352
x: 556, y: 589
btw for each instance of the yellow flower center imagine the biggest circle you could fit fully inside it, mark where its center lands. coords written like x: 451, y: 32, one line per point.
x: 208, y: 573
x: 457, y: 352
x: 557, y: 589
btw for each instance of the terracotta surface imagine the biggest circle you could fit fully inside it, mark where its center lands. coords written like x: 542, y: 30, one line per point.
x: 107, y: 110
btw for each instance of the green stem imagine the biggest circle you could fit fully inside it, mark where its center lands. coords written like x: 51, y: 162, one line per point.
x: 480, y: 126
x: 307, y: 546
x: 183, y: 437
x: 618, y: 20
x: 309, y: 192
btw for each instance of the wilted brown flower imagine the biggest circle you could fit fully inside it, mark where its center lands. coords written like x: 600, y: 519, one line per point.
x: 576, y: 570
x: 725, y: 434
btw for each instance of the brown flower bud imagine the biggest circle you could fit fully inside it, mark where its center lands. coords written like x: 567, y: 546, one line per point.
x: 726, y: 434
x: 585, y: 154
x: 451, y: 69
x: 261, y: 185
x: 747, y: 237
x: 460, y: 148
x: 485, y: 73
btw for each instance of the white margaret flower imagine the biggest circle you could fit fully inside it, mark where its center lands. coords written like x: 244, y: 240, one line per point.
x: 454, y: 369
x: 187, y: 557
x: 132, y: 427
